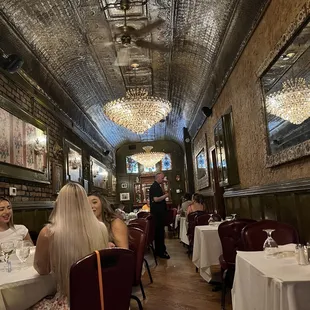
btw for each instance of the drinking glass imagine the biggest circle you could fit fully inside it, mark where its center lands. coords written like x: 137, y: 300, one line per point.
x: 233, y: 216
x: 211, y: 220
x: 7, y: 248
x: 23, y: 251
x: 270, y: 246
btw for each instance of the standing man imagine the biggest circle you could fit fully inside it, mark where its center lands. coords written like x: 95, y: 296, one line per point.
x: 159, y: 211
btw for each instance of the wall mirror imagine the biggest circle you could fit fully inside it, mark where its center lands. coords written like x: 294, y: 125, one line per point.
x: 286, y: 88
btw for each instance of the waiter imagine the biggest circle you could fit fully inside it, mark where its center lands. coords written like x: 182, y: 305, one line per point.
x: 159, y: 211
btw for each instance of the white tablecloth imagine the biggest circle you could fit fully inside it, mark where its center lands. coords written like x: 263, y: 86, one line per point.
x: 183, y: 230
x: 207, y: 249
x: 22, y: 288
x: 270, y: 284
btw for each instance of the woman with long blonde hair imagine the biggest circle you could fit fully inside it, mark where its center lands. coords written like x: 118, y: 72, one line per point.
x: 73, y: 233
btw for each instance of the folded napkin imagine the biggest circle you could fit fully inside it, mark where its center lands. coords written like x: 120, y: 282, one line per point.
x: 290, y: 247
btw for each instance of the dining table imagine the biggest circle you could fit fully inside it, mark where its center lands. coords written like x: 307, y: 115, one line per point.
x: 277, y: 283
x: 207, y: 249
x: 23, y: 287
x: 183, y: 231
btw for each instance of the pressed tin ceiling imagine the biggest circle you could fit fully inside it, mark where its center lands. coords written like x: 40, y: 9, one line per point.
x: 69, y: 38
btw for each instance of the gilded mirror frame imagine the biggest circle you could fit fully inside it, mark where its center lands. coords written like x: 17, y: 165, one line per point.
x: 302, y: 149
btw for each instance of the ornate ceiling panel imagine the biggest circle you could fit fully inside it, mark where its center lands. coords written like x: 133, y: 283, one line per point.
x: 78, y: 43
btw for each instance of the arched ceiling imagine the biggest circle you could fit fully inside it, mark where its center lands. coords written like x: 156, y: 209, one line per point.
x: 69, y: 38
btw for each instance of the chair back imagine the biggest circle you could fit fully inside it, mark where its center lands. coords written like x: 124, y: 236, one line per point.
x: 253, y: 236
x: 143, y: 214
x: 137, y: 243
x: 202, y: 219
x: 230, y: 236
x: 117, y: 275
x: 141, y: 223
x: 191, y: 225
x: 216, y: 217
x: 170, y: 216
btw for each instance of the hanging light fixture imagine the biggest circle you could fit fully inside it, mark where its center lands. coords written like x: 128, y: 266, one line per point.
x: 148, y: 159
x: 292, y: 103
x: 137, y: 111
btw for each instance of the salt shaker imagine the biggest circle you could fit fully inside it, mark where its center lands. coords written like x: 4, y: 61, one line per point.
x: 308, y: 250
x: 302, y: 256
x: 297, y: 253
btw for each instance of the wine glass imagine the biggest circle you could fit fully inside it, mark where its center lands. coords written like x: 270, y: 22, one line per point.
x: 211, y: 219
x: 23, y: 251
x: 7, y: 248
x: 233, y: 216
x: 270, y: 246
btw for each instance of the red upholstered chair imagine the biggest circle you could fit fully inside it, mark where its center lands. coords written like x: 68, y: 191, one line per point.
x: 144, y: 225
x: 117, y: 276
x: 137, y: 243
x: 143, y: 214
x: 230, y: 236
x: 253, y: 236
x: 191, y: 228
x: 216, y: 217
x: 202, y: 219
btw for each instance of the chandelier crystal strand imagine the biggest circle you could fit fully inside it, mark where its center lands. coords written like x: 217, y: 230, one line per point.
x: 292, y: 103
x: 137, y: 111
x: 148, y: 159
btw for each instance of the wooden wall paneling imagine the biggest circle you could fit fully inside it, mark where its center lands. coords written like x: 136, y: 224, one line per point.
x: 229, y: 206
x: 257, y: 212
x: 268, y: 203
x: 303, y: 202
x: 28, y: 219
x: 287, y: 209
x: 245, y: 207
x: 237, y: 206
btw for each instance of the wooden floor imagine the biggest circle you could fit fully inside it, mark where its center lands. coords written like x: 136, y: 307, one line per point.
x: 177, y: 286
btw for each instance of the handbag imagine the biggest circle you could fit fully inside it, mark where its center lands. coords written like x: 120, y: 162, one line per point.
x: 100, y: 279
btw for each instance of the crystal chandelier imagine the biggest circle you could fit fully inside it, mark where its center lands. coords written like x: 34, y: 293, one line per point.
x: 148, y: 159
x: 137, y: 111
x: 292, y: 103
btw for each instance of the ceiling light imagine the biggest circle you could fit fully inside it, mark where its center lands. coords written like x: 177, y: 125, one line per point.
x: 148, y: 159
x: 137, y: 111
x: 292, y: 103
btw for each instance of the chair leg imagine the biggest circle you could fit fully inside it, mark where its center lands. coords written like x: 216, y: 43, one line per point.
x: 153, y: 251
x: 224, y: 289
x: 148, y: 269
x: 138, y: 301
x: 142, y: 290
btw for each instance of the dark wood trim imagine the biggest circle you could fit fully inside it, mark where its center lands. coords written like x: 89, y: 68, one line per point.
x: 33, y: 205
x: 291, y: 186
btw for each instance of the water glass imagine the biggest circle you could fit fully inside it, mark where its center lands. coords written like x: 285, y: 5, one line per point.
x: 270, y: 246
x: 23, y: 251
x: 7, y: 248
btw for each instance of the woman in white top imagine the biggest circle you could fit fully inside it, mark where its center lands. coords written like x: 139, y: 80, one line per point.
x: 9, y: 231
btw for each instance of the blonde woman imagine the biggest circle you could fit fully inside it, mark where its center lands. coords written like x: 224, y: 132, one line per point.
x: 74, y: 232
x: 9, y: 231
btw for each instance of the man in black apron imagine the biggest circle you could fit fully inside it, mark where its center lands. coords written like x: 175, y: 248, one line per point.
x: 159, y: 211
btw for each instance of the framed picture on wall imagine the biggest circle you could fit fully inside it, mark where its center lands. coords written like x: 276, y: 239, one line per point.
x: 99, y: 173
x: 202, y: 179
x: 57, y: 180
x: 23, y: 144
x: 73, y: 162
x: 124, y: 196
